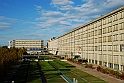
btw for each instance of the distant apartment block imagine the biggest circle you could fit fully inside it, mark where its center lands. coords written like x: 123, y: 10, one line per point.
x: 100, y: 41
x: 30, y: 45
x: 53, y: 45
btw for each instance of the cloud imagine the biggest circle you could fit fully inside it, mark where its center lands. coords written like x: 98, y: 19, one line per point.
x: 5, y: 26
x: 34, y: 35
x: 60, y: 3
x: 3, y: 18
x: 38, y: 7
x: 6, y: 23
x: 97, y: 7
x: 113, y: 3
x: 67, y: 16
x: 51, y: 13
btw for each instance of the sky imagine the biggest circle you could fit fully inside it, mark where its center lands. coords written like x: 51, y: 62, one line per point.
x: 44, y: 19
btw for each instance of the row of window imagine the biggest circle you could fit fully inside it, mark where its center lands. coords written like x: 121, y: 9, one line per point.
x: 28, y: 45
x: 110, y: 38
x: 105, y: 30
x: 105, y: 57
x: 100, y: 48
x: 108, y: 19
x: 114, y: 48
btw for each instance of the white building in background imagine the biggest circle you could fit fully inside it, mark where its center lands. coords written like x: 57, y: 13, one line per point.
x: 32, y: 46
x: 100, y: 41
x: 53, y: 46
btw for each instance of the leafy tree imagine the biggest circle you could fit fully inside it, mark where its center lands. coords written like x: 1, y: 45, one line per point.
x: 8, y: 58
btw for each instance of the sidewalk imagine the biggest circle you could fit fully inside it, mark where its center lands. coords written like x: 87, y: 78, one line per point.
x: 95, y: 73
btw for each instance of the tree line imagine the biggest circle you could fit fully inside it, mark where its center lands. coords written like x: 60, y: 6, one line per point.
x: 9, y: 57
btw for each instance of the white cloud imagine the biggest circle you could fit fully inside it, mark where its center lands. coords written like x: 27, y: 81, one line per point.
x: 3, y: 18
x: 34, y: 35
x: 38, y: 7
x: 51, y: 13
x: 112, y: 3
x: 5, y: 26
x: 61, y: 2
x: 67, y: 16
x: 66, y: 7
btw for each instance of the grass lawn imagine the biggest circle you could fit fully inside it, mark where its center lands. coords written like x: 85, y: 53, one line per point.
x: 51, y: 74
x: 45, y: 66
x: 67, y: 65
x: 20, y: 75
x: 71, y: 76
x: 86, y: 76
x: 54, y: 79
x: 33, y: 74
x: 29, y: 73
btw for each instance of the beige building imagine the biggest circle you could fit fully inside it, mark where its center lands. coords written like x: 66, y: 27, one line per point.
x: 31, y: 45
x: 53, y: 45
x: 100, y: 41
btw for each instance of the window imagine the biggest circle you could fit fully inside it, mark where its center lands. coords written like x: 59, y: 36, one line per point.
x: 121, y: 25
x: 110, y: 38
x: 92, y: 40
x: 115, y: 27
x: 110, y: 60
x: 103, y: 30
x: 122, y: 47
x: 122, y: 36
x: 104, y: 59
x: 95, y: 32
x: 109, y: 47
x: 95, y: 25
x: 104, y: 21
x: 100, y: 31
x: 88, y: 41
x: 110, y: 29
x: 100, y: 39
x: 121, y: 14
x: 104, y: 39
x: 115, y: 17
x: 92, y: 33
x: 115, y: 57
x: 122, y: 59
x: 110, y: 19
x: 107, y: 20
x: 95, y: 40
x: 115, y: 48
x: 96, y: 48
x: 104, y: 47
x: 115, y: 37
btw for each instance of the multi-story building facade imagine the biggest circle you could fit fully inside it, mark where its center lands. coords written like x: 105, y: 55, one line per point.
x: 53, y: 46
x: 30, y: 45
x: 100, y: 41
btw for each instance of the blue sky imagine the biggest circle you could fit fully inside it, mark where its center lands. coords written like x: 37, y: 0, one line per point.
x: 44, y: 19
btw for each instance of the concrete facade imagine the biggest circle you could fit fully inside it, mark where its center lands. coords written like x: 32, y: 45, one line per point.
x: 100, y: 41
x: 30, y: 45
x: 53, y: 45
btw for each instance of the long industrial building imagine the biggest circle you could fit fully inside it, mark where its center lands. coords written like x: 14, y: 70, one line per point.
x: 32, y: 46
x: 100, y: 41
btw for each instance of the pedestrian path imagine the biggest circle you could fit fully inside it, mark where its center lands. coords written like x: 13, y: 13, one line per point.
x: 95, y: 73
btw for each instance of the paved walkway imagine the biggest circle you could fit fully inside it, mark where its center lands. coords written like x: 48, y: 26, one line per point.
x: 100, y: 75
